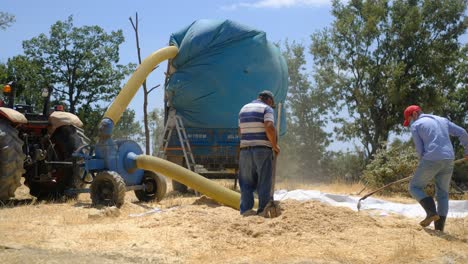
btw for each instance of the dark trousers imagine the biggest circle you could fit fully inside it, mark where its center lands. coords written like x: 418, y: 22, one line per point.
x: 255, y: 171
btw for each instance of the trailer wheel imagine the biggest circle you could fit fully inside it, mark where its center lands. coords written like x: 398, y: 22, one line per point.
x: 108, y: 189
x: 177, y: 186
x: 155, y: 187
x: 11, y: 160
x: 180, y: 187
x: 64, y: 142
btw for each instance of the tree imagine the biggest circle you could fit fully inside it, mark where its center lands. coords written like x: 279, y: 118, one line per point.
x: 380, y: 56
x: 156, y: 123
x: 91, y: 117
x: 455, y: 107
x: 145, y: 89
x: 6, y: 20
x: 81, y: 63
x: 346, y: 166
x: 128, y: 128
x: 396, y: 162
x: 307, y: 109
x: 28, y: 79
x: 3, y: 74
x: 458, y: 109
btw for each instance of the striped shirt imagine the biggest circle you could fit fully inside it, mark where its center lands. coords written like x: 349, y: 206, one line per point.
x: 251, y: 122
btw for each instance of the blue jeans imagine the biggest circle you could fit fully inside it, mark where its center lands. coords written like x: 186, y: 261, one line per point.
x: 255, y: 171
x: 441, y: 171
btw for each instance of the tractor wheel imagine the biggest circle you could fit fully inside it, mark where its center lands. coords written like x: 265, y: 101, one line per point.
x: 180, y: 187
x: 11, y: 160
x: 155, y: 187
x: 108, y: 189
x: 65, y: 141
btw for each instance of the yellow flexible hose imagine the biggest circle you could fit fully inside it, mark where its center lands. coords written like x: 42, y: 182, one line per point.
x: 197, y: 182
x: 127, y: 93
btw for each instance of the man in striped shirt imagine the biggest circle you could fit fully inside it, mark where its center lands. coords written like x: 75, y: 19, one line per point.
x: 257, y: 144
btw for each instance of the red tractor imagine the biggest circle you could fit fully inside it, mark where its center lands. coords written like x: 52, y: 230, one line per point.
x: 39, y: 147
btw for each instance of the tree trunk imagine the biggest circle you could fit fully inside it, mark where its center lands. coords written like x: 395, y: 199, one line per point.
x: 145, y: 90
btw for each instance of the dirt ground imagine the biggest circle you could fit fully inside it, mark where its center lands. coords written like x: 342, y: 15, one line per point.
x: 194, y: 229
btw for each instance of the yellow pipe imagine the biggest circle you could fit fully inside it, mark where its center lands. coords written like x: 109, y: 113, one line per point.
x: 127, y: 93
x: 197, y: 182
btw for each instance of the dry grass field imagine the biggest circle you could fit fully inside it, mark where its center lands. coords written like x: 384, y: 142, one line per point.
x: 191, y: 229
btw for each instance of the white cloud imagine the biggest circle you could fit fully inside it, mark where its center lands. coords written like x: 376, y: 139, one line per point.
x: 277, y: 4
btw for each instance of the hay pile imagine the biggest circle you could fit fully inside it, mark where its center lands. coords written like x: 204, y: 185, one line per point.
x: 197, y: 230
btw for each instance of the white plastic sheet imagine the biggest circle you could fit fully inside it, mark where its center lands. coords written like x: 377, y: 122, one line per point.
x: 456, y: 208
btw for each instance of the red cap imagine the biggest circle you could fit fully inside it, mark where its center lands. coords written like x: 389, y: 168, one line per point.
x: 409, y: 112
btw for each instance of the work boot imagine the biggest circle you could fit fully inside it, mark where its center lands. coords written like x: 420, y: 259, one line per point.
x: 249, y: 213
x: 440, y: 224
x: 431, y: 212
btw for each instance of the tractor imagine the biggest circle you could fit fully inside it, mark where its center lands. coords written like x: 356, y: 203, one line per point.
x: 39, y: 147
x: 52, y: 153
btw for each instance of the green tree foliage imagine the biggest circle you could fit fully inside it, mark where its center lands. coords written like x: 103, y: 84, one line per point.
x: 3, y: 73
x: 391, y: 164
x: 347, y: 166
x: 460, y: 175
x: 455, y: 107
x: 306, y: 139
x: 380, y: 56
x: 398, y: 161
x: 81, y: 63
x: 28, y: 80
x: 128, y: 128
x: 91, y: 116
x: 6, y: 19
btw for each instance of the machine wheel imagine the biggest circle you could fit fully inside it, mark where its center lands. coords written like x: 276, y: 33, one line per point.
x: 11, y: 160
x: 108, y: 189
x: 155, y: 187
x: 65, y: 141
x: 177, y: 186
x: 180, y: 187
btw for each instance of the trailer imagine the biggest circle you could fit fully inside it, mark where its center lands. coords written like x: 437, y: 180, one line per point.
x: 221, y: 66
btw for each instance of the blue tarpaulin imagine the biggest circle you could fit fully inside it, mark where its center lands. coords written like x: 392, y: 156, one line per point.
x: 221, y: 66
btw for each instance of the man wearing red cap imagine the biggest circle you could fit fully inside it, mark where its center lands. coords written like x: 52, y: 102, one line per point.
x: 431, y: 136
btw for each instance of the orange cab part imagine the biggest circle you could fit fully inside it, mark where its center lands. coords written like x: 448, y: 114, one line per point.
x: 6, y: 89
